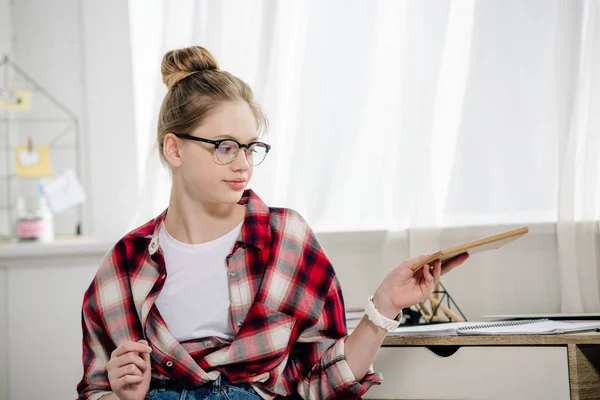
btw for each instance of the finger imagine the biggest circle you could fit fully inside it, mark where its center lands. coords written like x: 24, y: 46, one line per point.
x: 124, y: 381
x: 129, y: 379
x: 146, y: 359
x: 437, y: 270
x: 454, y: 262
x: 130, y: 358
x: 419, y: 262
x: 427, y: 276
x: 459, y: 259
x: 118, y: 373
x: 145, y: 356
x: 131, y: 346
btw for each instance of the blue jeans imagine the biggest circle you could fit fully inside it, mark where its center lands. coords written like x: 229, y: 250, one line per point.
x: 220, y: 389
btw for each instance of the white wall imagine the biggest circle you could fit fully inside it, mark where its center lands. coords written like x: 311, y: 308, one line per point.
x: 5, y: 27
x: 41, y: 300
x: 5, y: 48
x: 79, y: 51
x: 110, y: 112
x: 3, y: 336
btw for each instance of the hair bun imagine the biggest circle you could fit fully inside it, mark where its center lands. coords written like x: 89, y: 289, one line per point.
x: 178, y: 64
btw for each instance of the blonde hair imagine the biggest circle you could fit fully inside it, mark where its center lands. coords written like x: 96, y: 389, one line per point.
x: 196, y: 87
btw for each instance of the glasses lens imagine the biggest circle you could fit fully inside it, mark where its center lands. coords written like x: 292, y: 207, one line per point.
x: 256, y: 153
x: 227, y: 151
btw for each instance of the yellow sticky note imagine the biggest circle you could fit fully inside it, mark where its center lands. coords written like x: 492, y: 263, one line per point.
x: 17, y: 100
x: 34, y: 163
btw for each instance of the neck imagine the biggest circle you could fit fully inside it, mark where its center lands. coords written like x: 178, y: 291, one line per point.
x: 195, y: 222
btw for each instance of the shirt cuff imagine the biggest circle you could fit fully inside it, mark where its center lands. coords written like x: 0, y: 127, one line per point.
x: 341, y: 377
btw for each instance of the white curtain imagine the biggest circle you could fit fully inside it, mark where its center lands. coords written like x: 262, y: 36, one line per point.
x: 579, y: 191
x: 416, y: 118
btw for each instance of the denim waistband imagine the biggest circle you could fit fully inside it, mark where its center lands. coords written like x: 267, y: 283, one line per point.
x: 179, y: 386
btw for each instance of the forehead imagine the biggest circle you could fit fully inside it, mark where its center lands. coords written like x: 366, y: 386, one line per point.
x: 232, y: 119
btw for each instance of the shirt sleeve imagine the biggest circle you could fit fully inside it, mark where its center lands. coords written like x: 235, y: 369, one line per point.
x: 318, y: 358
x: 95, y: 347
x: 320, y: 354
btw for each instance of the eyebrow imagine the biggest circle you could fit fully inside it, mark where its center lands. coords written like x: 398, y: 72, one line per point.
x: 254, y: 139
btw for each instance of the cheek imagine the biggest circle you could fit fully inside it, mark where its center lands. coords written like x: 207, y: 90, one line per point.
x: 201, y: 168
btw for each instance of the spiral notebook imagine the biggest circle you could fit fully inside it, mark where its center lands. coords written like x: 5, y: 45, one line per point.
x: 524, y: 327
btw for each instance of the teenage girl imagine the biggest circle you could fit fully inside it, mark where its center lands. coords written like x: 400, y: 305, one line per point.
x: 222, y: 296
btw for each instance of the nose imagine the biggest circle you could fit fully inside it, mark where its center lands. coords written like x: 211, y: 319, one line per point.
x: 241, y: 162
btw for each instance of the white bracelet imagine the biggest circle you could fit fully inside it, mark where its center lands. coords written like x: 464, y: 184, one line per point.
x: 379, y: 319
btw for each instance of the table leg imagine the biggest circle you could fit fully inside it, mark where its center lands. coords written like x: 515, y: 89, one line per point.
x: 584, y: 371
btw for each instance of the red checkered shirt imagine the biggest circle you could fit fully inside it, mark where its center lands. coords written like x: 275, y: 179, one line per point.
x: 286, y: 311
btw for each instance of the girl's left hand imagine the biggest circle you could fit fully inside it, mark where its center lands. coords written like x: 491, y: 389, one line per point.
x: 403, y: 288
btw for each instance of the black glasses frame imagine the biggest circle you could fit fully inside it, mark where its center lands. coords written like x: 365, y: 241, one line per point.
x: 217, y: 143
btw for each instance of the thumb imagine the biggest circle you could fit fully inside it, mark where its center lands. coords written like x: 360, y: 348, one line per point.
x: 142, y: 341
x: 418, y: 262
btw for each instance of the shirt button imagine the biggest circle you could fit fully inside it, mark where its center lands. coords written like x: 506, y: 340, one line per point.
x: 239, y: 324
x: 207, y: 343
x: 169, y: 363
x: 231, y: 274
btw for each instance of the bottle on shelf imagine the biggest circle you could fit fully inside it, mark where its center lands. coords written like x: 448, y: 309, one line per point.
x: 34, y: 220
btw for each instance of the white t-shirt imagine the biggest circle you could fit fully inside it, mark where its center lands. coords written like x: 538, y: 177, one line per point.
x: 194, y: 301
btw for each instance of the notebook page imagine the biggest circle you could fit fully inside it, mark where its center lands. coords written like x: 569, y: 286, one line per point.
x: 539, y: 327
x: 442, y: 329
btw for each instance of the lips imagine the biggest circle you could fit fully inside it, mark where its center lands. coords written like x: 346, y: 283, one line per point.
x: 236, y: 184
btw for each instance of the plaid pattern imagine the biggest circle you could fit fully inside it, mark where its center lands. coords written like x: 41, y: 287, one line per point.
x: 286, y: 310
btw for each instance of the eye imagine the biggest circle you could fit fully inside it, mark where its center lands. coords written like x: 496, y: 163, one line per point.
x: 227, y: 147
x: 257, y: 152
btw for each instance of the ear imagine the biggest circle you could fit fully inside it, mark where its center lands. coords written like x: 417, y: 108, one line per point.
x: 171, y: 150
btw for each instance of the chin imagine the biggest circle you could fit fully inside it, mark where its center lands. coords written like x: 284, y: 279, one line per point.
x: 229, y: 196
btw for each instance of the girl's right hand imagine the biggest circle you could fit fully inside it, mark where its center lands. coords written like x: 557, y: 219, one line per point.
x: 129, y: 370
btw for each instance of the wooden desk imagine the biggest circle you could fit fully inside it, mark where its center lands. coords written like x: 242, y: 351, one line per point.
x: 582, y: 353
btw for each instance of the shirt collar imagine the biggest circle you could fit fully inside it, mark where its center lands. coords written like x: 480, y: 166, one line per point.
x: 255, y: 228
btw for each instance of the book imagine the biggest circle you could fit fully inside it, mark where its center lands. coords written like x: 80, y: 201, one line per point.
x: 353, y: 317
x: 541, y: 326
x: 354, y: 314
x: 553, y: 316
x: 477, y: 246
x: 442, y: 329
x: 352, y: 324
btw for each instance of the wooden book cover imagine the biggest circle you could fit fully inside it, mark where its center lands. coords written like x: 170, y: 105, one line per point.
x: 477, y: 246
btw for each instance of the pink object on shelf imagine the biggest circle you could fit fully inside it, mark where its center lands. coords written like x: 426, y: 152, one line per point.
x: 30, y: 229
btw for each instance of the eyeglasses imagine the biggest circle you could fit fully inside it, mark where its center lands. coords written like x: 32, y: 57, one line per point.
x: 227, y: 150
